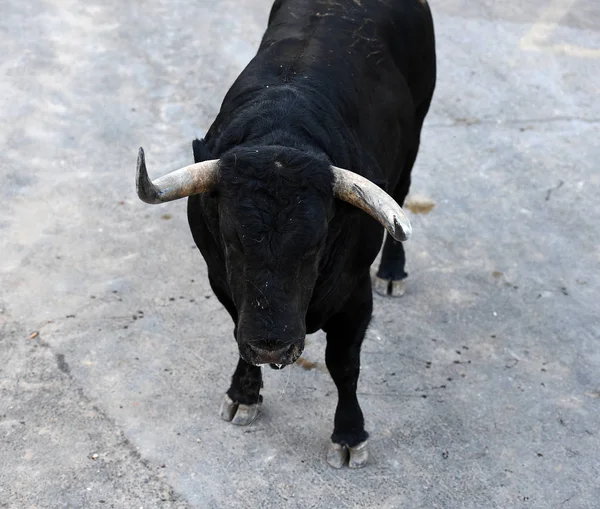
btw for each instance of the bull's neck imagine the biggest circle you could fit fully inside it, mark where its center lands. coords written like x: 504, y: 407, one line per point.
x: 277, y: 115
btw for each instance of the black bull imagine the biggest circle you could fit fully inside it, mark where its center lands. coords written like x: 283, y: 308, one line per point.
x: 334, y: 85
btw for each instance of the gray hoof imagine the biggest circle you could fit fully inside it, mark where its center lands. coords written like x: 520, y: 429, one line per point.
x: 236, y: 413
x: 340, y: 455
x: 337, y: 455
x: 389, y: 288
x: 359, y: 455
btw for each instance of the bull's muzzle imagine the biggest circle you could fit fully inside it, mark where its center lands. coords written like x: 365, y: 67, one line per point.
x: 286, y: 355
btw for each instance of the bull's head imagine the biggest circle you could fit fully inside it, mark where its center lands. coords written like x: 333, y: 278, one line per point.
x: 273, y: 223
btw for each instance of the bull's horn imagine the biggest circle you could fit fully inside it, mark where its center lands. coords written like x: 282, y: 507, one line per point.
x: 194, y: 179
x: 364, y: 194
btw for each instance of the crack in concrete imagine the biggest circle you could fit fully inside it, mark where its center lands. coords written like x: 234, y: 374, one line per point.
x: 63, y: 366
x: 555, y: 188
x: 460, y: 122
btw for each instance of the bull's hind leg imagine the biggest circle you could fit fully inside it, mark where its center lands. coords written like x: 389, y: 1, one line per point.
x: 390, y: 280
x: 242, y: 401
x: 345, y: 333
x: 391, y: 274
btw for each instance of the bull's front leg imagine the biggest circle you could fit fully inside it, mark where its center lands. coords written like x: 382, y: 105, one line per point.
x: 345, y: 333
x: 242, y: 401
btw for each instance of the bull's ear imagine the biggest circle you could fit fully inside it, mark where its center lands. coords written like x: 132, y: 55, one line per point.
x: 201, y: 152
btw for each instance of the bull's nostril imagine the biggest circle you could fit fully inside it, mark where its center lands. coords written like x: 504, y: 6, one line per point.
x: 290, y: 351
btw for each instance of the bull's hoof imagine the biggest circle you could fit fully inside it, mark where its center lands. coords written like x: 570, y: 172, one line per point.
x: 238, y: 414
x: 339, y: 455
x: 389, y: 288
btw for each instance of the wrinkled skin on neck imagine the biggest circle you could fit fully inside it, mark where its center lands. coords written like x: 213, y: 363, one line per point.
x: 273, y: 226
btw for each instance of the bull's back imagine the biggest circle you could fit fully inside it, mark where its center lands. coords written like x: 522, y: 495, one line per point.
x: 372, y: 61
x: 351, y: 36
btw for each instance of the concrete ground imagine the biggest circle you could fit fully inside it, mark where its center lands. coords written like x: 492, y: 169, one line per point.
x: 481, y: 386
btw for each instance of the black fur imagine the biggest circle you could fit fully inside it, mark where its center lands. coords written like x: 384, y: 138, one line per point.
x: 343, y: 83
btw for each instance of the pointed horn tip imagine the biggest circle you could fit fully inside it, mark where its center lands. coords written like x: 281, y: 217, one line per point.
x: 402, y: 230
x: 144, y: 187
x: 141, y: 163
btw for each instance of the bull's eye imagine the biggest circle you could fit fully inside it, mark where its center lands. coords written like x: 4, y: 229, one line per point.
x: 235, y: 246
x: 232, y: 243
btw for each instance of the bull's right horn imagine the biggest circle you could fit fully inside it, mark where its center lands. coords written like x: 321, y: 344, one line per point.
x: 194, y: 179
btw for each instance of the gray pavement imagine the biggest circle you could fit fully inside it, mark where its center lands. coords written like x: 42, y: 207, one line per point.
x: 481, y: 386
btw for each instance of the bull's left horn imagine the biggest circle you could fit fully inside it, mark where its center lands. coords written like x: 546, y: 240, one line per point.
x: 364, y: 194
x: 194, y: 179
